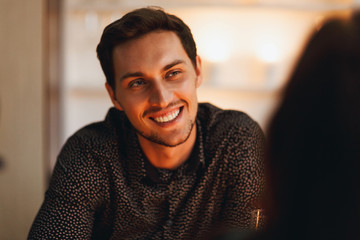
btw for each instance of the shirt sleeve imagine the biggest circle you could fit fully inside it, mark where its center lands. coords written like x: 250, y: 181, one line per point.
x: 245, y: 178
x: 73, y: 195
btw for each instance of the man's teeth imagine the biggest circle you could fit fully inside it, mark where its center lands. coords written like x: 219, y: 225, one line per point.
x: 167, y: 118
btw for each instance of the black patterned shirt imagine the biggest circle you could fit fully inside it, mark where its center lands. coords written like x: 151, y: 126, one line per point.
x: 103, y: 187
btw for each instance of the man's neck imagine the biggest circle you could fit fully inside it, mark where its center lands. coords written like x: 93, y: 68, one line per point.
x: 168, y: 157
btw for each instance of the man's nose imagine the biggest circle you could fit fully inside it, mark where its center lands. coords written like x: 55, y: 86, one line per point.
x: 161, y: 95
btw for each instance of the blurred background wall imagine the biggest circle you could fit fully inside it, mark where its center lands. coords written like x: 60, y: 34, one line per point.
x: 22, y: 115
x: 51, y: 83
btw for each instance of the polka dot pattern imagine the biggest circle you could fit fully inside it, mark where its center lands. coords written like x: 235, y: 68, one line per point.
x: 103, y: 187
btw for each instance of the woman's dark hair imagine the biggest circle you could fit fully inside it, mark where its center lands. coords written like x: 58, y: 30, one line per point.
x: 313, y: 154
x: 138, y: 23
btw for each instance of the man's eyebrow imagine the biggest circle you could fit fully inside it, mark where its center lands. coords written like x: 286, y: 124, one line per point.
x: 140, y: 74
x: 174, y: 63
x: 133, y: 74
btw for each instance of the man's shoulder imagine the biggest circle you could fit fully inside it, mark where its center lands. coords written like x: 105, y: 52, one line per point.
x: 215, y: 118
x: 232, y: 136
x: 92, y: 131
x: 98, y: 133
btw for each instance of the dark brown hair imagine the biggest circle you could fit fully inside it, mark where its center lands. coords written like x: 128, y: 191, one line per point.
x: 138, y: 23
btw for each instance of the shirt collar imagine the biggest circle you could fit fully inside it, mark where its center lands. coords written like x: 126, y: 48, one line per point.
x: 130, y: 153
x: 188, y: 168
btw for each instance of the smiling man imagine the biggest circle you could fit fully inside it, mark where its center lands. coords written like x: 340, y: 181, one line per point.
x: 155, y: 86
x: 161, y: 165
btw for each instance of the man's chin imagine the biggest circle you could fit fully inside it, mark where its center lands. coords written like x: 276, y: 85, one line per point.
x: 169, y: 141
x: 165, y: 142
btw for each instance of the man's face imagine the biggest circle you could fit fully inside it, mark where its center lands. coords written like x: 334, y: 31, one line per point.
x: 155, y: 85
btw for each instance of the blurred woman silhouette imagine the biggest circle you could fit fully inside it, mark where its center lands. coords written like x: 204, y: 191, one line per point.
x: 313, y: 155
x: 314, y: 140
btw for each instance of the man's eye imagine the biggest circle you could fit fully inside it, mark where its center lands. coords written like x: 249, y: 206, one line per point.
x: 172, y: 74
x: 136, y: 83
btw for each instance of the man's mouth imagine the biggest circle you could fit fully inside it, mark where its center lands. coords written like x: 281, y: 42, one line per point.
x: 168, y: 117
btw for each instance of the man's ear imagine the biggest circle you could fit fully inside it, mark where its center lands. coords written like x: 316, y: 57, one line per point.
x: 198, y: 71
x: 112, y: 96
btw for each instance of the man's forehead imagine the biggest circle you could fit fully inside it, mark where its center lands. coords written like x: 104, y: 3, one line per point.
x: 155, y: 49
x: 147, y: 40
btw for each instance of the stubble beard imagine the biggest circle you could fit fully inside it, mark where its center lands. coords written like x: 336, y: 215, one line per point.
x: 156, y: 138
